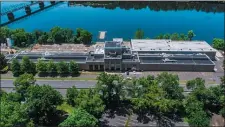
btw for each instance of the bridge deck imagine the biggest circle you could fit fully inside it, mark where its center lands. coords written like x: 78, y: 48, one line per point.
x: 16, y: 8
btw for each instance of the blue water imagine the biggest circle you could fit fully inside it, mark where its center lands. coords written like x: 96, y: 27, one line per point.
x: 123, y: 23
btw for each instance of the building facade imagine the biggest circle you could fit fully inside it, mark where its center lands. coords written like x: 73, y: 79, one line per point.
x: 137, y: 55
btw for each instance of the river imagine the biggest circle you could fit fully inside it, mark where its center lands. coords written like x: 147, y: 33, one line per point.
x: 122, y: 23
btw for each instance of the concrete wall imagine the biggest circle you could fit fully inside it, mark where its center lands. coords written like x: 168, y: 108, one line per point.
x: 83, y: 66
x: 176, y: 67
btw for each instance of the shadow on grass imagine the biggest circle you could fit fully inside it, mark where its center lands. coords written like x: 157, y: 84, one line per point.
x: 75, y: 75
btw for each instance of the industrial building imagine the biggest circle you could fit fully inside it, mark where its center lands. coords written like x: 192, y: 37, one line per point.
x: 136, y: 55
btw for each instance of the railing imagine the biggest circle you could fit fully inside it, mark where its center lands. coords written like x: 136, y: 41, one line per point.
x: 16, y: 7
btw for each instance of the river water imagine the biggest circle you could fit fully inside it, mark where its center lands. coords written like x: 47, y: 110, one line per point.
x: 121, y: 23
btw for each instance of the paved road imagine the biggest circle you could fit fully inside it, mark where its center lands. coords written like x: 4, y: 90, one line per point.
x: 58, y: 84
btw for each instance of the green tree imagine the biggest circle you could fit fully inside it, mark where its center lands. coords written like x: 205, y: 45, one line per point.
x: 80, y: 118
x: 218, y: 44
x: 71, y: 95
x: 160, y: 36
x: 154, y: 102
x: 19, y: 36
x: 3, y: 62
x: 51, y: 67
x: 41, y: 66
x: 13, y: 114
x: 195, y: 83
x: 62, y: 67
x: 15, y: 67
x: 27, y: 66
x: 191, y: 34
x: 43, y: 38
x: 174, y: 36
x: 83, y: 36
x: 90, y: 101
x: 170, y: 84
x: 23, y: 82
x: 5, y: 32
x: 166, y: 36
x: 73, y: 68
x: 111, y: 89
x: 139, y: 34
x: 195, y: 113
x: 183, y: 37
x: 41, y: 104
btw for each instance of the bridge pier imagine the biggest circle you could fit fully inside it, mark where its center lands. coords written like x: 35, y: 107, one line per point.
x: 28, y: 10
x: 10, y: 16
x: 41, y: 5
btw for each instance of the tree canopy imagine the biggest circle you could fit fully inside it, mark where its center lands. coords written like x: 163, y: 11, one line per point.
x: 139, y: 34
x: 80, y: 118
x: 218, y: 44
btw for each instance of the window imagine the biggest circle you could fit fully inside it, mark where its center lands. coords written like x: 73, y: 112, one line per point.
x: 90, y: 67
x: 96, y: 67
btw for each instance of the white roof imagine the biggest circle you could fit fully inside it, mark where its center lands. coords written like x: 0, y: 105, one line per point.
x: 167, y: 45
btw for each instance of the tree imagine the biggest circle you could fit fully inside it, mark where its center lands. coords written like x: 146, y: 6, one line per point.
x: 183, y: 37
x: 22, y: 83
x: 13, y: 114
x: 43, y: 38
x: 71, y: 95
x: 41, y: 66
x: 51, y: 67
x: 3, y: 62
x: 5, y: 32
x: 139, y: 34
x: 154, y: 102
x: 170, y: 84
x: 174, y: 36
x: 166, y: 36
x: 80, y: 118
x: 90, y: 101
x: 83, y: 36
x: 19, y: 35
x: 218, y: 44
x: 15, y: 67
x: 27, y: 66
x: 41, y: 104
x: 111, y: 89
x: 195, y: 113
x: 62, y: 68
x: 191, y: 34
x: 195, y: 83
x: 73, y: 68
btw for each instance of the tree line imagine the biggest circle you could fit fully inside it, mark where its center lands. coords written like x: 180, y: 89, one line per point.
x: 56, y: 35
x: 139, y: 34
x: 206, y: 6
x: 43, y: 68
x: 159, y: 98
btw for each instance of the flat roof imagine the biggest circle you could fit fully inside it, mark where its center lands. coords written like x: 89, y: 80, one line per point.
x: 169, y: 45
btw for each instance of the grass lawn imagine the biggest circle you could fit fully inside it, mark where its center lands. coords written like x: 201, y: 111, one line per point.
x: 65, y: 107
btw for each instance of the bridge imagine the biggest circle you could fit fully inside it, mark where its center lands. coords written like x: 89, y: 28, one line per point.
x: 10, y: 10
x: 17, y: 7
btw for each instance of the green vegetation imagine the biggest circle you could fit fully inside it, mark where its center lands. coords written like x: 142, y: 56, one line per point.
x: 176, y: 36
x: 160, y: 97
x: 56, y: 35
x: 80, y: 118
x: 42, y: 67
x: 218, y: 44
x: 139, y: 34
x: 206, y: 6
x: 2, y: 61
